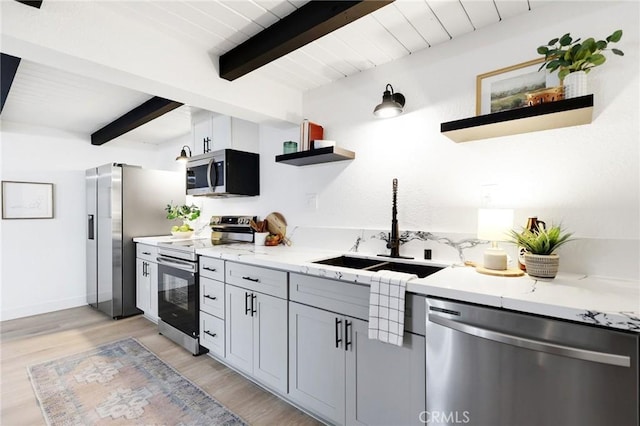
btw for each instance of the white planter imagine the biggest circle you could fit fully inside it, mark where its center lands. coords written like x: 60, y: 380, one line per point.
x: 542, y: 266
x: 575, y: 84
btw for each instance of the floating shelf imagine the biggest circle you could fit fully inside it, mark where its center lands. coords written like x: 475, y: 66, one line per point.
x: 552, y: 115
x: 316, y: 156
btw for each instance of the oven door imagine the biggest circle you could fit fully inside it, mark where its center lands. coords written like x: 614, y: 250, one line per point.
x: 178, y: 294
x: 205, y: 174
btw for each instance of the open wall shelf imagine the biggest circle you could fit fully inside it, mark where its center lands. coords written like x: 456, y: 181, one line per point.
x: 552, y: 115
x: 316, y: 156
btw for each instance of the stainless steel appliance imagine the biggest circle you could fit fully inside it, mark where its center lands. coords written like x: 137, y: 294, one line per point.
x: 490, y: 366
x: 224, y: 173
x: 178, y: 280
x: 122, y: 202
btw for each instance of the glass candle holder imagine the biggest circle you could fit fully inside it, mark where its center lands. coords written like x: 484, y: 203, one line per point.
x: 289, y: 147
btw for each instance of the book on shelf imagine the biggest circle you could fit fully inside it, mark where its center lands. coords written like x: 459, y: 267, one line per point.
x: 309, y: 131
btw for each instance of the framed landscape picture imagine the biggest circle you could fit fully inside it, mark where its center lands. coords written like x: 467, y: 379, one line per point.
x: 506, y: 88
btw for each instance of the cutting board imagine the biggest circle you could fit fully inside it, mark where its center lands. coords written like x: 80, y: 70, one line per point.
x: 276, y: 224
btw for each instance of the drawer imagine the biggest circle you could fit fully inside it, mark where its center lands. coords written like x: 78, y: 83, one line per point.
x: 263, y: 280
x: 212, y: 268
x: 351, y: 299
x: 212, y: 334
x: 212, y: 297
x: 147, y: 252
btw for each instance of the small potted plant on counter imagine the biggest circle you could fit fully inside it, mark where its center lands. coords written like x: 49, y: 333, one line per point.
x: 540, y: 259
x: 574, y: 59
x: 186, y: 214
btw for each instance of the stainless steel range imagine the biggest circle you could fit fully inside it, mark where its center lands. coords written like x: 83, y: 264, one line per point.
x: 178, y: 283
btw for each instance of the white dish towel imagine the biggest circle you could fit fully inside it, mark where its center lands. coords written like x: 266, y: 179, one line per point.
x: 386, y: 306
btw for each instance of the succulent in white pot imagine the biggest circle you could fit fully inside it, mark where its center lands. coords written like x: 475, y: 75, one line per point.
x: 540, y: 259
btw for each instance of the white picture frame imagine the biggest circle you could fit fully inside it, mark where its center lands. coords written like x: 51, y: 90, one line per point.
x: 27, y: 200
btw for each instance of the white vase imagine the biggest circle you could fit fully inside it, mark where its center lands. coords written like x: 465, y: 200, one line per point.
x: 575, y: 84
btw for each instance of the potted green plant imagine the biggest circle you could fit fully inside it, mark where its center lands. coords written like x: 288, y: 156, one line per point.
x: 573, y: 59
x: 540, y: 259
x: 185, y: 213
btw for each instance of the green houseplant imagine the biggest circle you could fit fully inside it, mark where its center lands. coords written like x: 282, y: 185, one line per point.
x: 568, y: 55
x: 573, y: 59
x: 541, y: 260
x: 183, y: 212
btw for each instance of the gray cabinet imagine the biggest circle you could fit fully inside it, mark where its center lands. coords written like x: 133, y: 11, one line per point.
x: 212, y: 305
x: 256, y: 324
x: 336, y: 372
x: 147, y: 281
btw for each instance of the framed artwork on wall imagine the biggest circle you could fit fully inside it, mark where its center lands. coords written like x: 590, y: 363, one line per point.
x: 27, y: 200
x: 506, y: 88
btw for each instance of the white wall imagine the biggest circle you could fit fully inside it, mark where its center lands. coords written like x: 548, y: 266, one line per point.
x: 43, y: 261
x: 586, y: 176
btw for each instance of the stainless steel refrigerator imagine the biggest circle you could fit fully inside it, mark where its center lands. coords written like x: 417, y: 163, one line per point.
x: 123, y: 202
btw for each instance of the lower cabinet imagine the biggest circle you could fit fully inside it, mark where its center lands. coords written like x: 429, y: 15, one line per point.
x: 147, y: 282
x: 336, y: 372
x: 256, y: 335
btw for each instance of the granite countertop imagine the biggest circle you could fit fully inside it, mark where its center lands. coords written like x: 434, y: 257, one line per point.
x: 609, y: 302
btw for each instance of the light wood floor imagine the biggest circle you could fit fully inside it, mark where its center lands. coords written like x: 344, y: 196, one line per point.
x: 40, y: 338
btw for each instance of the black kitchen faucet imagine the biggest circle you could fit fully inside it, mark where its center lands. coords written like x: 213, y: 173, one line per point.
x: 394, y: 236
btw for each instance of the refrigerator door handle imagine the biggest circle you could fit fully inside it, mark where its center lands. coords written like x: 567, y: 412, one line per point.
x: 91, y: 227
x: 536, y: 345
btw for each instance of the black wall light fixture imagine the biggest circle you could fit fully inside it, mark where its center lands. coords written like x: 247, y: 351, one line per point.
x: 183, y: 157
x: 391, y: 105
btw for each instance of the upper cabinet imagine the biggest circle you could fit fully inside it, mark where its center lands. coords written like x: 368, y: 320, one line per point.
x: 552, y: 115
x: 222, y: 131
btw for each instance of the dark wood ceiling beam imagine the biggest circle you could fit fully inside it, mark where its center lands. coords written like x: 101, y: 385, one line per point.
x: 8, y: 67
x: 150, y: 110
x: 308, y: 23
x: 33, y: 3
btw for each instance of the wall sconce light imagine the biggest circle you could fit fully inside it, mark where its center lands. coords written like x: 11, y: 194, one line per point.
x: 391, y: 105
x: 183, y: 155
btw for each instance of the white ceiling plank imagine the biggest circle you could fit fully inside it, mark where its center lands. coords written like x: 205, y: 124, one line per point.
x: 363, y: 43
x: 509, y: 8
x: 350, y: 56
x: 223, y: 13
x: 314, y: 66
x: 481, y: 13
x: 280, y: 8
x: 286, y: 75
x: 370, y: 28
x: 423, y: 20
x: 252, y: 11
x: 397, y: 24
x: 329, y: 58
x: 452, y: 15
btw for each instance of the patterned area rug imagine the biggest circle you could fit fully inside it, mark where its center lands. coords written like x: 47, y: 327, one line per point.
x: 122, y: 383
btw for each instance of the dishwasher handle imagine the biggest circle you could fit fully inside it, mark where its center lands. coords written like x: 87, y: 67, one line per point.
x: 536, y: 345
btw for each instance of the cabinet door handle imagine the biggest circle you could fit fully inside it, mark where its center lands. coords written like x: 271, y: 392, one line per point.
x: 209, y: 333
x: 255, y: 280
x: 247, y: 309
x: 253, y: 306
x: 206, y: 268
x: 144, y: 269
x: 347, y: 334
x: 338, y: 339
x: 210, y: 297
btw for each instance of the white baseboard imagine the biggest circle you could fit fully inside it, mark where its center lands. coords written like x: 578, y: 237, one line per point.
x: 42, y: 308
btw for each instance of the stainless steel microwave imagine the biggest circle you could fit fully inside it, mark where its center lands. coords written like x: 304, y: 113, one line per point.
x: 227, y: 172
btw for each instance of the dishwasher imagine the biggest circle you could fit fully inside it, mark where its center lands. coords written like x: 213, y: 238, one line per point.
x: 490, y: 366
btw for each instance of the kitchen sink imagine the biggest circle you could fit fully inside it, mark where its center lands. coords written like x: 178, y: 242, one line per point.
x: 379, y: 264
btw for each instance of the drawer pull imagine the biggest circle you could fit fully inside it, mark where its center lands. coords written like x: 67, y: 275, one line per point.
x: 147, y: 253
x: 210, y: 297
x: 255, y: 280
x: 210, y: 333
x: 206, y: 268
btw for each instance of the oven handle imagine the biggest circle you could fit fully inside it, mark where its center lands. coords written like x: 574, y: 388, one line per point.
x: 535, y: 345
x: 175, y: 263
